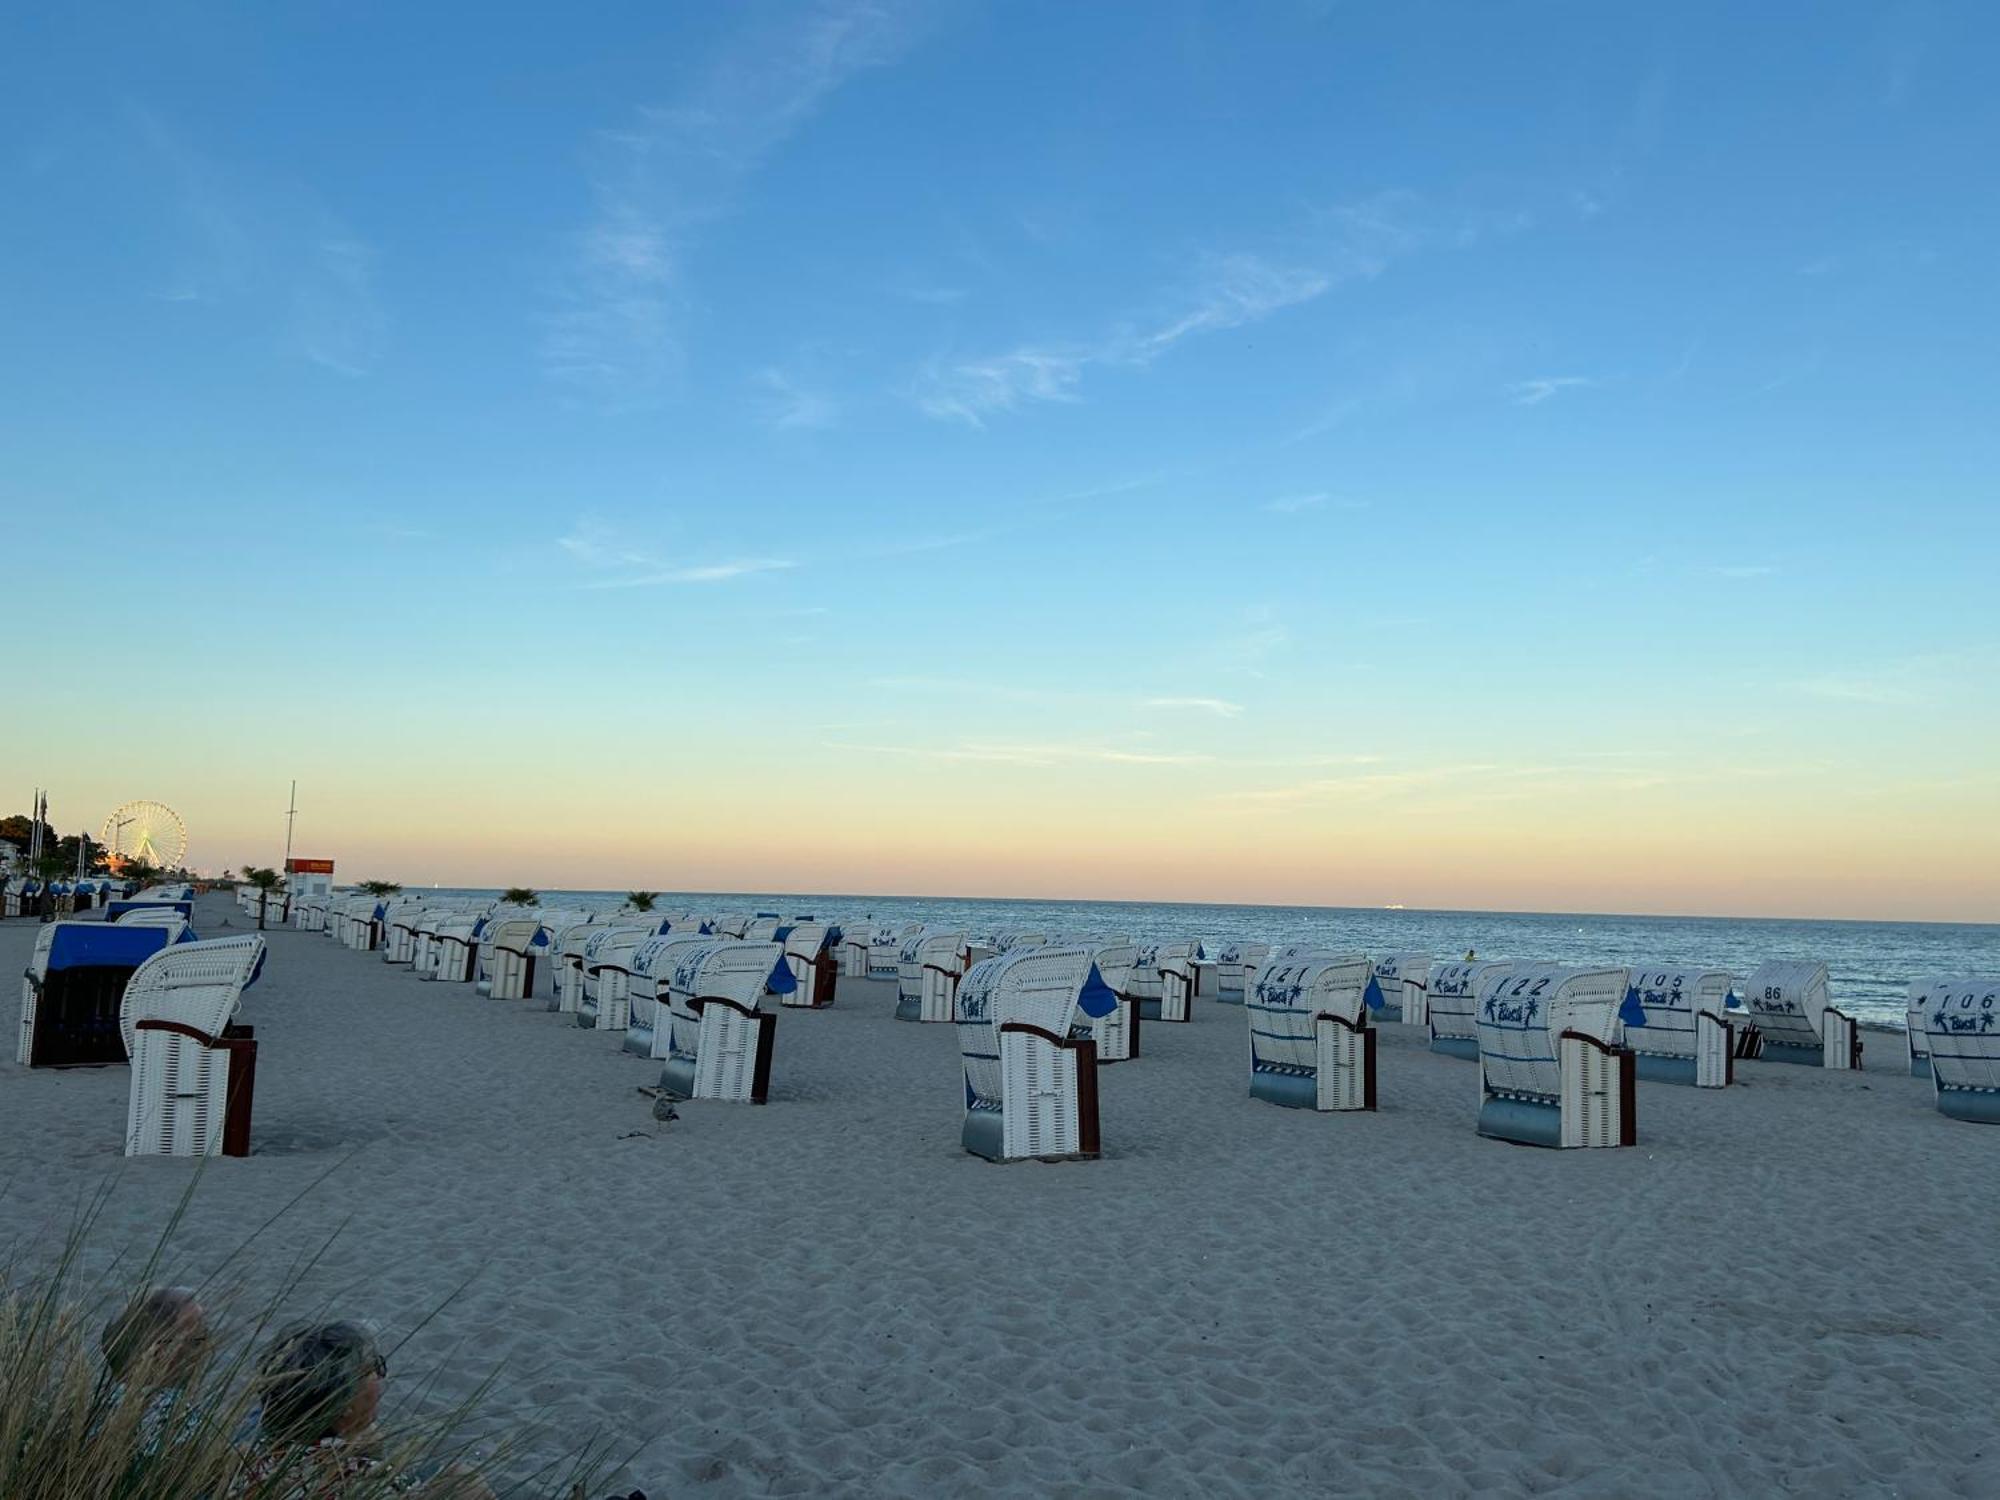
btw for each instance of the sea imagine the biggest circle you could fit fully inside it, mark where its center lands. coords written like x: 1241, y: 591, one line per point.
x: 1870, y: 965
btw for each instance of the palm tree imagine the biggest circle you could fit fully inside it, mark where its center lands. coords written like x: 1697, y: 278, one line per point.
x: 266, y: 882
x: 641, y: 900
x: 380, y: 887
x: 519, y: 895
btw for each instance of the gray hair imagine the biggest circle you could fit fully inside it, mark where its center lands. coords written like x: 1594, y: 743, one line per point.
x: 138, y: 1330
x: 311, y: 1374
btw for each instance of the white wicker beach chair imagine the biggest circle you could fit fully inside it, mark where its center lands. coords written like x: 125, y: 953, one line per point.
x: 193, y: 1073
x: 1405, y: 982
x: 1162, y: 980
x: 72, y: 989
x: 1236, y: 967
x: 1961, y: 1023
x: 508, y: 949
x: 1916, y: 1023
x: 455, y: 948
x: 648, y: 998
x: 809, y: 949
x: 719, y: 1031
x: 1452, y: 1004
x: 885, y: 949
x: 607, y: 974
x: 1796, y: 1021
x: 399, y: 931
x: 856, y: 939
x: 927, y: 975
x: 1007, y: 942
x: 1551, y: 1070
x: 1677, y: 1025
x: 1030, y: 1086
x: 1311, y: 1046
x: 762, y: 928
x: 1115, y: 1033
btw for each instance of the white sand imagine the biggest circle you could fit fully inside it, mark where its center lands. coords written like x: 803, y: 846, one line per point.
x: 1784, y: 1289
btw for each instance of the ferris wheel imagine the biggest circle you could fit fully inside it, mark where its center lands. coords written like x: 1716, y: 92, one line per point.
x: 151, y: 832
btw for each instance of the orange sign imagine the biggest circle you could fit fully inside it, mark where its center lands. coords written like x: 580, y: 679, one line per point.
x: 308, y: 867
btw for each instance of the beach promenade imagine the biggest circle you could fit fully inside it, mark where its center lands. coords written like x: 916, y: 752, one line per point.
x: 1782, y: 1290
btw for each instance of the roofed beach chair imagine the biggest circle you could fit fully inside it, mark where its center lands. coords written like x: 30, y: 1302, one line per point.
x: 720, y: 1033
x: 856, y: 939
x: 607, y: 974
x: 455, y: 948
x: 1551, y: 1070
x: 1916, y: 1023
x: 1405, y: 982
x: 885, y: 949
x: 1116, y: 1032
x: 762, y: 928
x: 399, y: 931
x: 193, y: 1073
x: 75, y: 983
x: 565, y: 956
x: 1008, y: 941
x: 1796, y: 1021
x: 508, y: 948
x: 1311, y: 1046
x: 1452, y: 1004
x: 927, y: 975
x: 1961, y: 1022
x: 810, y: 950
x: 1162, y: 980
x: 648, y: 998
x: 1030, y: 1085
x: 1236, y: 969
x: 1677, y: 1025
x: 424, y: 944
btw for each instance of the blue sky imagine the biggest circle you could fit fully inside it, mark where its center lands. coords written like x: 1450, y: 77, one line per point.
x: 1482, y: 454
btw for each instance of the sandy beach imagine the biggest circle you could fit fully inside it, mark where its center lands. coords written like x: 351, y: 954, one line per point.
x: 828, y: 1296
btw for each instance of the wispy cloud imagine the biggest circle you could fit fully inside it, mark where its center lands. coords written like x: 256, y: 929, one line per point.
x: 672, y: 169
x: 1292, y: 505
x: 1001, y: 753
x: 1742, y: 570
x: 339, y: 322
x: 786, y: 406
x: 1847, y: 687
x: 701, y: 573
x: 1222, y: 708
x: 621, y: 563
x: 1535, y: 392
x: 1228, y: 292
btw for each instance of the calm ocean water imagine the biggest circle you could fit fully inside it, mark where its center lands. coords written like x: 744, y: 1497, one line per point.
x: 1870, y: 964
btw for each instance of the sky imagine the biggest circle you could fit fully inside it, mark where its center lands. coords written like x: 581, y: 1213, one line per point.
x: 1519, y: 456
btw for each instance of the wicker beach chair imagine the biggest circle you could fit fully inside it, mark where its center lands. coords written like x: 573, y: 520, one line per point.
x: 1452, y: 1005
x: 885, y: 949
x: 193, y: 1073
x: 1405, y: 982
x: 1115, y: 1033
x: 648, y: 999
x: 1030, y: 1086
x: 607, y: 974
x: 857, y: 940
x: 1236, y: 967
x: 455, y: 948
x: 1311, y: 1046
x: 74, y: 985
x: 1961, y: 1023
x: 1678, y: 1027
x: 1796, y: 1021
x: 1916, y: 1021
x: 1162, y: 980
x: 927, y: 974
x: 810, y: 949
x: 719, y: 1031
x: 1551, y: 1070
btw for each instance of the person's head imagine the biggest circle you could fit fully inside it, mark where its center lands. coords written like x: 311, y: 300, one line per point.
x: 320, y: 1380
x: 157, y: 1339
